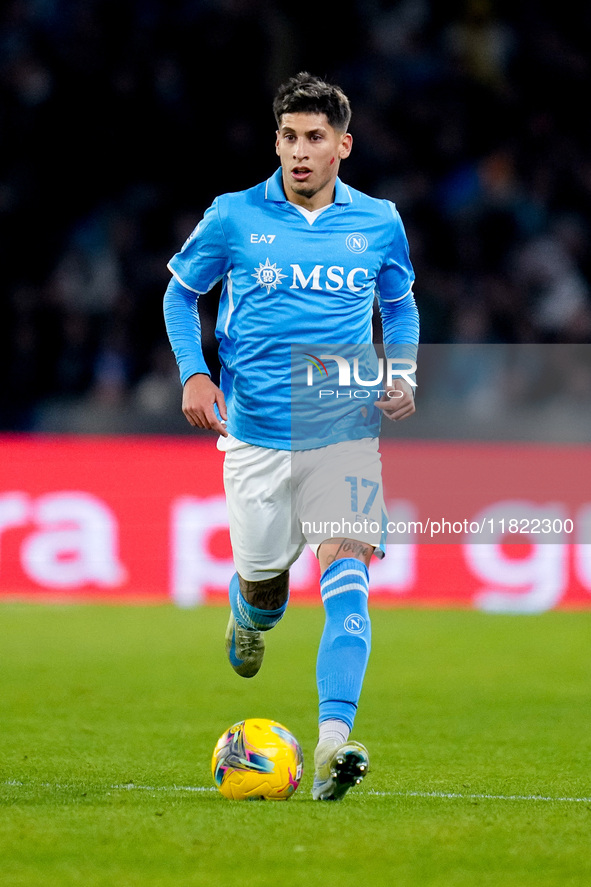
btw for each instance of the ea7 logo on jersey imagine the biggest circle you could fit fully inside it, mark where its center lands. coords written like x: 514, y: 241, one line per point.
x: 262, y: 238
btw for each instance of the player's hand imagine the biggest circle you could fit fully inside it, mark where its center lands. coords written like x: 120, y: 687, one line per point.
x: 397, y: 402
x: 200, y: 395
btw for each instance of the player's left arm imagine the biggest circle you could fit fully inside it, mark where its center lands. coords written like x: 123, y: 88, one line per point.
x: 400, y: 324
x: 398, y: 401
x: 400, y: 320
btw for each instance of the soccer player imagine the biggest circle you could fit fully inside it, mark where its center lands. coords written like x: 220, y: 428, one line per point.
x: 302, y: 257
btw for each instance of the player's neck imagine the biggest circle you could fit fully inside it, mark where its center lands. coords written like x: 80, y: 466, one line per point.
x: 324, y: 197
x: 312, y: 203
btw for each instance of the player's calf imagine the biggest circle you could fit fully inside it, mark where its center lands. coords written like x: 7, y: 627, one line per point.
x: 245, y: 645
x: 346, y: 640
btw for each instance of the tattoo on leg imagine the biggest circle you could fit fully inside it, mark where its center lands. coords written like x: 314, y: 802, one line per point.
x: 350, y: 548
x: 266, y: 594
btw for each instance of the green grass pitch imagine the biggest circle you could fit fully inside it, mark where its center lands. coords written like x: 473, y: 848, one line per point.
x: 478, y: 726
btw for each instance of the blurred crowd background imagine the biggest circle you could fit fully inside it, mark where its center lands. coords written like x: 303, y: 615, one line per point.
x: 121, y: 120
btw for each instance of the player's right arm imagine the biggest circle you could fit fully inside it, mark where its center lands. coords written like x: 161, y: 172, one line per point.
x: 201, y: 396
x: 202, y: 261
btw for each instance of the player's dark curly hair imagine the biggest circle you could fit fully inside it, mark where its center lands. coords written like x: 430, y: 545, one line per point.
x: 306, y: 94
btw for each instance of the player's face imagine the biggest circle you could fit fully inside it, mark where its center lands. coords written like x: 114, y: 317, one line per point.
x: 310, y: 151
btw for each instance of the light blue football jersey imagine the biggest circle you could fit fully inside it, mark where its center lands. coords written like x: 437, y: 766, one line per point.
x: 285, y: 282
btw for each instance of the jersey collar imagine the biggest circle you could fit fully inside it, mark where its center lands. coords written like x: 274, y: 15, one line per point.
x: 274, y: 190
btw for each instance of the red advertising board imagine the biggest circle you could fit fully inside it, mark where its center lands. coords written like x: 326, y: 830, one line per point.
x: 123, y: 519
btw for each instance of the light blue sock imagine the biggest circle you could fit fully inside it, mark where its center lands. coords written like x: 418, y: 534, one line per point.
x: 251, y: 617
x: 346, y: 639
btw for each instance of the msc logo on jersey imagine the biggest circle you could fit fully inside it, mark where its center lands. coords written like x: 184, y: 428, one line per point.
x: 333, y: 278
x: 356, y: 243
x: 268, y: 275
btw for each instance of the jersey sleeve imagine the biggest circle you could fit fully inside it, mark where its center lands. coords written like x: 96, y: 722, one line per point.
x: 204, y: 258
x: 181, y: 317
x: 398, y: 309
x: 396, y: 276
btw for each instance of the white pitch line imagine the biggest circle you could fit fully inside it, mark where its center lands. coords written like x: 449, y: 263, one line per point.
x: 483, y: 797
x: 127, y: 786
x: 459, y: 796
x: 166, y: 788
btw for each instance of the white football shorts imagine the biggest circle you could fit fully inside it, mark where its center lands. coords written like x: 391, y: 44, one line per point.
x: 280, y: 501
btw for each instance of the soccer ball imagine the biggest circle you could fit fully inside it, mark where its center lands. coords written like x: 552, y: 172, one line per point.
x: 257, y: 759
